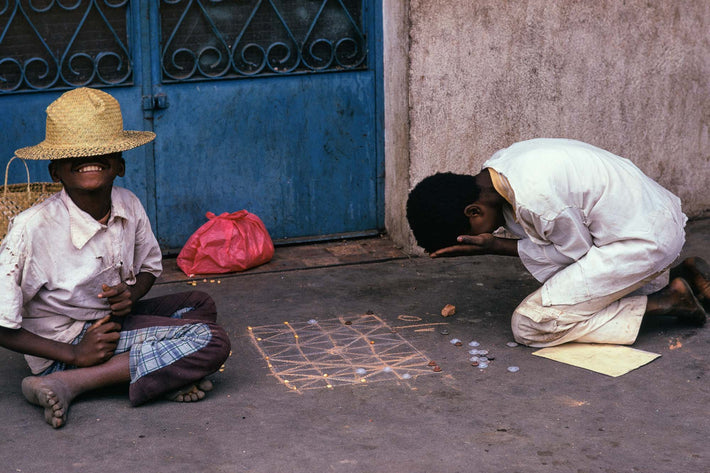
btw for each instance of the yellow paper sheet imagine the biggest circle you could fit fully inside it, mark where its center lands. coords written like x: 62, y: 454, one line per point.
x: 611, y: 360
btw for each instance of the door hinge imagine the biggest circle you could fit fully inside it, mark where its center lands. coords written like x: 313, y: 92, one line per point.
x: 155, y: 102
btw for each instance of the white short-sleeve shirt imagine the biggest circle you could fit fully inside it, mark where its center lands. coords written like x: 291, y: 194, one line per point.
x: 592, y: 223
x: 56, y: 257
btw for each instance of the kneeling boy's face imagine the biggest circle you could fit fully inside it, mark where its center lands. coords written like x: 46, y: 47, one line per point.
x: 483, y: 218
x: 88, y: 173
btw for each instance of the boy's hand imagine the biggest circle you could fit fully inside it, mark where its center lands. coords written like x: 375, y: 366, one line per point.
x: 98, y: 343
x: 119, y: 298
x: 482, y: 244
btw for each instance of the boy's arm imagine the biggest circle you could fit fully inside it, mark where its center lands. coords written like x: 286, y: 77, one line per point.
x: 483, y: 244
x: 144, y: 281
x: 97, y: 345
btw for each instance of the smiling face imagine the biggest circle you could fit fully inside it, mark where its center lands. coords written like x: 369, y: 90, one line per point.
x: 87, y: 174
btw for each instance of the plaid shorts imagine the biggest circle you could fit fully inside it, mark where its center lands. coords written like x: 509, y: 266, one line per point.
x: 151, y: 348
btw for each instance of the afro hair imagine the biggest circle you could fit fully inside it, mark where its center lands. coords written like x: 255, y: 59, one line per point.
x: 435, y: 209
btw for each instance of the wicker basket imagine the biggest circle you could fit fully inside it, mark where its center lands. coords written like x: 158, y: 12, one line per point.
x: 15, y: 198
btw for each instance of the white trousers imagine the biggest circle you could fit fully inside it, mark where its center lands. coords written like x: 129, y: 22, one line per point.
x: 614, y: 319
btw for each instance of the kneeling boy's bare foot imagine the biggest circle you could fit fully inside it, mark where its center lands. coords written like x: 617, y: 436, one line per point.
x: 684, y: 304
x: 697, y: 273
x: 51, y: 394
x: 191, y: 392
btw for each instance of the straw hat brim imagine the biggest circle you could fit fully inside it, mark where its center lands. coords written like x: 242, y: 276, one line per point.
x: 126, y: 140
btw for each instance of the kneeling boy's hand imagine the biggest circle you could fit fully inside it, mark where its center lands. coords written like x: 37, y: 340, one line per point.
x: 98, y: 343
x: 119, y: 298
x: 470, y: 245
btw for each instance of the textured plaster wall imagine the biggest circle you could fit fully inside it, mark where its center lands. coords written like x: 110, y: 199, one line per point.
x: 629, y: 76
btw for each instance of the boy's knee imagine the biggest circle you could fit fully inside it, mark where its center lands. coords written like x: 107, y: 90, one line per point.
x: 201, y: 298
x: 530, y: 333
x: 220, y: 346
x: 199, y: 305
x: 520, y: 326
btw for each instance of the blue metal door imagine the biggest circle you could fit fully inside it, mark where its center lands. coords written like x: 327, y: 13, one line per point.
x: 264, y: 105
x: 48, y: 47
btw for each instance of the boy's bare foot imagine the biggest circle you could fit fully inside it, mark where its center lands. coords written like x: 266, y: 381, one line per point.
x: 677, y: 299
x: 51, y: 394
x: 191, y: 392
x: 697, y: 272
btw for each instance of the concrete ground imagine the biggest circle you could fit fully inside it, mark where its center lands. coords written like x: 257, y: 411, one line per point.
x: 546, y: 417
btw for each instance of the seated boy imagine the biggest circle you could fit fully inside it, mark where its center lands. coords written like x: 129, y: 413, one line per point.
x: 74, y: 268
x: 593, y: 229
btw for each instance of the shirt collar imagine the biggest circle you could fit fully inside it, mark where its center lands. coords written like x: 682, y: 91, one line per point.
x: 82, y: 226
x: 502, y: 186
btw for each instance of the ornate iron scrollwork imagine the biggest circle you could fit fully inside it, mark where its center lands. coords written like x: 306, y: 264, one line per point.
x: 221, y: 39
x: 59, y: 44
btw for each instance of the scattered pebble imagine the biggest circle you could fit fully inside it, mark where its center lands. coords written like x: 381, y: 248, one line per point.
x: 513, y: 369
x: 473, y: 352
x: 313, y: 321
x: 454, y: 341
x: 361, y: 371
x: 448, y: 310
x: 406, y: 376
x: 473, y: 358
x: 432, y: 363
x: 482, y: 364
x: 348, y: 322
x: 437, y: 368
x: 512, y: 344
x: 483, y: 359
x: 458, y: 344
x: 473, y: 344
x: 444, y: 331
x: 474, y: 363
x: 482, y: 352
x: 387, y: 369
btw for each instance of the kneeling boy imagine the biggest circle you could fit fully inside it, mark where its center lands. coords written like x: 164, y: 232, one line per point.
x: 593, y: 229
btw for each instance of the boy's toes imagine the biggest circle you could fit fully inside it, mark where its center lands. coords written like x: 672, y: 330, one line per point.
x: 192, y: 392
x: 697, y: 318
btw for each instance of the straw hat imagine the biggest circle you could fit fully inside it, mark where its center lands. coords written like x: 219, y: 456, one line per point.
x: 84, y: 122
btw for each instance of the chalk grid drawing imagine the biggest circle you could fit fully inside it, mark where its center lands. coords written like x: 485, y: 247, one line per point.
x: 319, y: 354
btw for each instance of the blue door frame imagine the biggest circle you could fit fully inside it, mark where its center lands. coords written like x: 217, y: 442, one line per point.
x: 304, y: 151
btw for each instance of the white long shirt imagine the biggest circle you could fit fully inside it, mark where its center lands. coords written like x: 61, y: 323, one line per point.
x: 591, y: 222
x: 55, y: 258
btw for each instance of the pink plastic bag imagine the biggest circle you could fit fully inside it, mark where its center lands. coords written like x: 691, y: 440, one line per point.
x: 226, y: 243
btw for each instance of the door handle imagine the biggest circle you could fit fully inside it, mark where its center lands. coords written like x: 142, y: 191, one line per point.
x: 155, y: 102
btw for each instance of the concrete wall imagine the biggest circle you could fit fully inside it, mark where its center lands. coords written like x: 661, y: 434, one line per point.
x: 629, y: 76
x: 396, y: 88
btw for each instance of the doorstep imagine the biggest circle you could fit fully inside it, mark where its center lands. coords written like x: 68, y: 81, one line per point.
x: 305, y: 256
